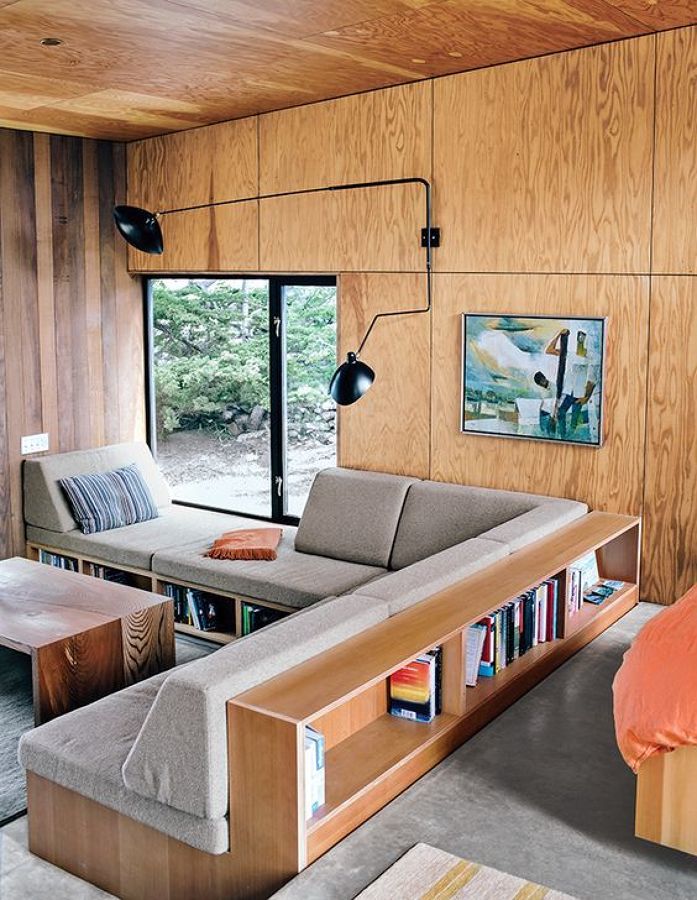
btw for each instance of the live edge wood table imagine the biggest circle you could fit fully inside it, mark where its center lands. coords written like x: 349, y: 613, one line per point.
x: 86, y: 637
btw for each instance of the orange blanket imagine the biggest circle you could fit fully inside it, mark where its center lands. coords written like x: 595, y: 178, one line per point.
x: 247, y: 543
x: 655, y: 690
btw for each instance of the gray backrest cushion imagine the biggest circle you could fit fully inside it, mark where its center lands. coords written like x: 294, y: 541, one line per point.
x: 352, y: 515
x: 437, y: 516
x: 180, y: 756
x: 423, y: 579
x: 540, y: 522
x: 45, y: 505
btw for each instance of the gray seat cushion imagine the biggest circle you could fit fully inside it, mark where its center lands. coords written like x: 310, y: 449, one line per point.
x: 134, y: 545
x: 45, y: 505
x: 352, y: 515
x: 438, y: 515
x: 85, y: 750
x: 180, y: 756
x: 293, y: 579
x: 544, y: 520
x: 421, y: 580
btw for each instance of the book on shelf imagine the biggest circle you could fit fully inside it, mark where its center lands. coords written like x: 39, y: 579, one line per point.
x: 415, y: 689
x: 255, y: 617
x: 117, y: 576
x: 193, y: 607
x: 58, y: 561
x: 518, y: 626
x: 474, y: 647
x: 583, y: 574
x: 601, y: 591
x: 314, y: 771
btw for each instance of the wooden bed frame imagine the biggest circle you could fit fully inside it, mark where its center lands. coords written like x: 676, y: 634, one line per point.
x: 666, y: 800
x: 370, y: 756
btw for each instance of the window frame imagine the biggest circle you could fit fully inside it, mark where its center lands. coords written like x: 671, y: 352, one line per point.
x: 277, y: 379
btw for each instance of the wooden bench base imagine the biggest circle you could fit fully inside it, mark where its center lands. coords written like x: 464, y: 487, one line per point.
x: 666, y: 800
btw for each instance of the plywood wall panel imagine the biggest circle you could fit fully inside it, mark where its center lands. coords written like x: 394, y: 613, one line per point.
x: 369, y: 137
x: 221, y: 238
x: 674, y: 233
x: 388, y: 430
x: 204, y: 165
x: 670, y: 523
x: 545, y: 165
x: 370, y: 229
x: 71, y: 325
x: 609, y: 478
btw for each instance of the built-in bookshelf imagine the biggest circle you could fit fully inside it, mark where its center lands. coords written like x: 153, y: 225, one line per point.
x: 217, y: 616
x: 371, y: 755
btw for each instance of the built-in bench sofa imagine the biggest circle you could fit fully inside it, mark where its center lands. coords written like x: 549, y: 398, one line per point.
x: 369, y: 546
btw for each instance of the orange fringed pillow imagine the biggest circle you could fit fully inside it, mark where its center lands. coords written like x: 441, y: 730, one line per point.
x: 247, y: 543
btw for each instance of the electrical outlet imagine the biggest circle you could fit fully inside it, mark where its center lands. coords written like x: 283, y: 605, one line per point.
x: 34, y: 443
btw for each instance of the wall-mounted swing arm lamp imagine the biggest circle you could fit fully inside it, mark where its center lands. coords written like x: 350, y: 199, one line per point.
x: 353, y: 378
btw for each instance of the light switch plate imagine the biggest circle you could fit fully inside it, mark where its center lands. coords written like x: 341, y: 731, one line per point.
x: 34, y: 443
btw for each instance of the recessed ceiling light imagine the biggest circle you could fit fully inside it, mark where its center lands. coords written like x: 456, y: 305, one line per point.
x: 454, y: 54
x: 50, y: 42
x: 418, y: 60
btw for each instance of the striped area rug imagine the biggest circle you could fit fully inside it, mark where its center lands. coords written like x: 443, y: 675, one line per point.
x: 426, y: 873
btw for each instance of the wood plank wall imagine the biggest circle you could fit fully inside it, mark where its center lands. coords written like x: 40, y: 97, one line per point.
x: 71, y: 317
x: 561, y: 184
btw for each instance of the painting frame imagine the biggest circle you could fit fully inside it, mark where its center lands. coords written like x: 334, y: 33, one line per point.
x: 466, y: 426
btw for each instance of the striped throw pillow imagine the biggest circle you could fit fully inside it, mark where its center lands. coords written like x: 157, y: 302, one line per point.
x: 109, y: 500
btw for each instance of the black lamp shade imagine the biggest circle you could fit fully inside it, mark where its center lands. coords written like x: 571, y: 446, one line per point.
x: 140, y: 228
x: 350, y: 381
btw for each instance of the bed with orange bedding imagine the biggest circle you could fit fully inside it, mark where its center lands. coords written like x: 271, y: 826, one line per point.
x: 655, y: 690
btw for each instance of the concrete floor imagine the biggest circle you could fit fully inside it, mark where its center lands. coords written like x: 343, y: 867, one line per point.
x: 541, y: 792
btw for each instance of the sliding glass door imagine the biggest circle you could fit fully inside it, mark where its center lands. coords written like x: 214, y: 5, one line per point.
x: 239, y: 368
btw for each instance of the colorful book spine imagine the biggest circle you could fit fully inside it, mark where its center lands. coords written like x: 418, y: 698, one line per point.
x: 415, y: 688
x: 518, y: 626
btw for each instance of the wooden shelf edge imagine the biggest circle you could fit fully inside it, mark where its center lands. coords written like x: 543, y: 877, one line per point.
x: 328, y: 830
x: 215, y: 637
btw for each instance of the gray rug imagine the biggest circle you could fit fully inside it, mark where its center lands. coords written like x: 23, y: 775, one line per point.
x: 17, y: 716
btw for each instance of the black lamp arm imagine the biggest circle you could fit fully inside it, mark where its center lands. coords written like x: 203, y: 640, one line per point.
x: 430, y: 236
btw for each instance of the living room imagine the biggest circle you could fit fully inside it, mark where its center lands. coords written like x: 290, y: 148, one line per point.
x: 349, y: 364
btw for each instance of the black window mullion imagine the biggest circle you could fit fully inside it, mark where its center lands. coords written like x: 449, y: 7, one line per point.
x: 276, y: 393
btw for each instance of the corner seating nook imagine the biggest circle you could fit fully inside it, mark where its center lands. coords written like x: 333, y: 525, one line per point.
x: 203, y: 766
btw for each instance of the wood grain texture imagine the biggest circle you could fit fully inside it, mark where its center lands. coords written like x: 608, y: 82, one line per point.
x: 545, y: 165
x: 133, y: 68
x: 370, y: 137
x: 218, y: 239
x: 367, y: 229
x: 388, y: 430
x: 201, y: 166
x: 608, y: 478
x: 77, y: 670
x: 675, y: 204
x: 666, y: 800
x: 670, y: 497
x: 267, y: 798
x: 72, y: 360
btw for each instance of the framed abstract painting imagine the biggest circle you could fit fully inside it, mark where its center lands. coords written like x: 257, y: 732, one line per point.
x: 534, y: 377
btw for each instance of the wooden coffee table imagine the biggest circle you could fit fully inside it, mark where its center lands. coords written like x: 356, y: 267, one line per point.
x: 86, y: 637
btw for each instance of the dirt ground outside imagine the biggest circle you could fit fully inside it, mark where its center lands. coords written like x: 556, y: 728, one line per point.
x: 234, y: 473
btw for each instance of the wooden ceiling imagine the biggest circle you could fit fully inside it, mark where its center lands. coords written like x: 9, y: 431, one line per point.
x: 132, y: 68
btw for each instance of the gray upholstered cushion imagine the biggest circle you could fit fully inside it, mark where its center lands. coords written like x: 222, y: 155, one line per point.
x: 180, y: 756
x: 352, y: 515
x: 437, y: 516
x: 293, y: 579
x: 85, y: 750
x: 44, y: 503
x: 134, y: 545
x: 423, y: 579
x: 537, y: 523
